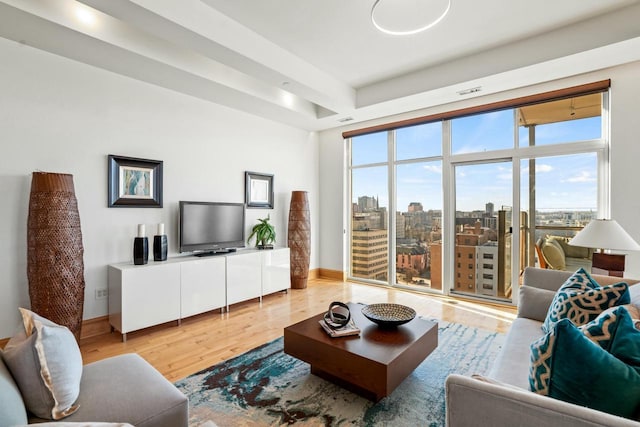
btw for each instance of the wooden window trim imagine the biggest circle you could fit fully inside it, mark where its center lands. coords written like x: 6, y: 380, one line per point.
x: 585, y: 89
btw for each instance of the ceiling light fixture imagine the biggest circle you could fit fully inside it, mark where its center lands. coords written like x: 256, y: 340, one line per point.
x: 408, y: 32
x: 85, y: 16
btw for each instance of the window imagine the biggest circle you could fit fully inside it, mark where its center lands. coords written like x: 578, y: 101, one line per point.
x: 369, y: 219
x: 400, y: 180
x: 482, y: 132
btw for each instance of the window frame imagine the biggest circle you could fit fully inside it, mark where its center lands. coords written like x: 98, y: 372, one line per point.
x: 449, y: 161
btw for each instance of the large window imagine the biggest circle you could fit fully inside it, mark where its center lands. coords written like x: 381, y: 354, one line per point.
x: 369, y: 209
x: 432, y: 203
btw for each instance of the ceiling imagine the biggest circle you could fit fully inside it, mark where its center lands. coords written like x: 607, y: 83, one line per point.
x: 320, y: 64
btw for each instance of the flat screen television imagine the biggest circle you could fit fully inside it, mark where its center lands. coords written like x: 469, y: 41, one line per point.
x: 211, y: 227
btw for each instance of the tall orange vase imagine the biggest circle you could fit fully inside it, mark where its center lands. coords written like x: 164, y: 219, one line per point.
x: 55, y: 265
x: 299, y: 239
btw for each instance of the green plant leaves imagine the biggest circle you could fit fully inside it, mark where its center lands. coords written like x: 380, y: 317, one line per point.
x: 264, y: 232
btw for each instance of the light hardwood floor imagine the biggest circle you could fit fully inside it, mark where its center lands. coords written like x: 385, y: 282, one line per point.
x: 207, y: 339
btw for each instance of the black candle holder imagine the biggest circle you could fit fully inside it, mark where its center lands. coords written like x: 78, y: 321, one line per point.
x: 160, y: 247
x: 140, y: 250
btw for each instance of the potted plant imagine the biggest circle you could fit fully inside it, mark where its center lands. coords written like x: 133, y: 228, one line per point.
x: 264, y: 232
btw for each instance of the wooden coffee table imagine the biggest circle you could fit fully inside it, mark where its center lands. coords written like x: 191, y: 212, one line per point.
x: 372, y: 364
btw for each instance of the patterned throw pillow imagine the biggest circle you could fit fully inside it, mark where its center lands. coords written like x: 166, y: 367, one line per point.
x: 581, y: 299
x: 568, y: 366
x: 603, y: 328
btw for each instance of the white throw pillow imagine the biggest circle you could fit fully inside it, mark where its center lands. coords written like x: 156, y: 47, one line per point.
x: 46, y: 363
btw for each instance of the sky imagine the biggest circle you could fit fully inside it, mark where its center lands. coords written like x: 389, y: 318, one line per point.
x: 567, y: 182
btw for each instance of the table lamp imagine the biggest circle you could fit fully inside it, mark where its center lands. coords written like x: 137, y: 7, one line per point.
x: 604, y: 234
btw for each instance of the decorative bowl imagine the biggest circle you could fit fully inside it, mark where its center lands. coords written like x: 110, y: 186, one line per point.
x: 388, y: 315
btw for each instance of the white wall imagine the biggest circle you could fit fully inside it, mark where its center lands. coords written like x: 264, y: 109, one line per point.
x: 624, y: 154
x: 57, y: 115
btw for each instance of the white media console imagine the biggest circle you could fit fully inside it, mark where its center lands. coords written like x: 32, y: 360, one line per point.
x: 158, y: 292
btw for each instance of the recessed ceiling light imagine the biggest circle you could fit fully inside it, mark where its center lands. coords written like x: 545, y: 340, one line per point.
x: 85, y: 16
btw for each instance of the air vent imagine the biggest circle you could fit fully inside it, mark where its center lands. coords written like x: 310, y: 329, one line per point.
x: 470, y: 90
x: 346, y: 119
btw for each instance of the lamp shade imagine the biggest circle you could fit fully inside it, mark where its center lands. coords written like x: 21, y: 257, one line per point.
x: 605, y: 234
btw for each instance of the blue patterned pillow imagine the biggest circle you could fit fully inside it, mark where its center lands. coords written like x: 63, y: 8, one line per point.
x: 568, y: 366
x: 603, y: 330
x: 581, y: 299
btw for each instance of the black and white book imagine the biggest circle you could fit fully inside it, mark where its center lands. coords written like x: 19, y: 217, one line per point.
x: 345, y: 331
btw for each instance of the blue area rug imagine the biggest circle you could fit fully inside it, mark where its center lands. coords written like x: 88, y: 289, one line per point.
x: 265, y: 387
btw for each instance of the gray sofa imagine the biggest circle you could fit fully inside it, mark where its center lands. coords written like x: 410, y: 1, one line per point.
x: 120, y: 389
x: 503, y: 397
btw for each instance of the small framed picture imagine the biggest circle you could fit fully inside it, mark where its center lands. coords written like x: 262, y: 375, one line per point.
x: 259, y: 190
x: 134, y: 182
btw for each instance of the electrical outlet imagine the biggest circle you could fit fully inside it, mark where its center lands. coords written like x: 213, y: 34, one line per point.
x: 102, y: 293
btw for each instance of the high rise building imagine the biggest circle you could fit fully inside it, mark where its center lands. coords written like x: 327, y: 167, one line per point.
x: 488, y: 209
x: 400, y: 225
x: 370, y: 254
x: 415, y: 207
x: 367, y: 203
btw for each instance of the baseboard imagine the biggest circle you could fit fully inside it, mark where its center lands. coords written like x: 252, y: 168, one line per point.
x: 90, y: 328
x: 324, y: 273
x: 94, y: 327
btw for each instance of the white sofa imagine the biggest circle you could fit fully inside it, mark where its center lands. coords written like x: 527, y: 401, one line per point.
x: 503, y: 397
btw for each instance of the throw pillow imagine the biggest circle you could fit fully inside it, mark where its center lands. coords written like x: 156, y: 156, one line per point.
x: 568, y: 366
x: 46, y: 363
x: 614, y: 331
x: 581, y: 299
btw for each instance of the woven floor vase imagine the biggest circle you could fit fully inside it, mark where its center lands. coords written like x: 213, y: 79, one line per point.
x: 55, y: 266
x: 299, y: 239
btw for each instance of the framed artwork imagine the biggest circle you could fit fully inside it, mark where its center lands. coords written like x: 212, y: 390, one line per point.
x: 134, y: 183
x: 259, y: 190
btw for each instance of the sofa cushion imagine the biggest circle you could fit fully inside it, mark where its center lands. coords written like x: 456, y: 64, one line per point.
x: 46, y: 363
x: 581, y: 299
x: 568, y: 366
x: 534, y: 303
x: 512, y: 363
x: 553, y: 254
x: 126, y: 388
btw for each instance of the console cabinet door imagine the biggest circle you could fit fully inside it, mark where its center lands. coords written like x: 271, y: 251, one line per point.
x: 275, y: 270
x: 202, y: 285
x: 244, y: 277
x: 144, y: 296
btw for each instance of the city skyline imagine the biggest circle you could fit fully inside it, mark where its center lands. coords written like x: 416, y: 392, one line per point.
x: 562, y: 182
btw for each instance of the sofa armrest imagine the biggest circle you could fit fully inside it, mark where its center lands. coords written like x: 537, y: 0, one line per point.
x: 474, y: 403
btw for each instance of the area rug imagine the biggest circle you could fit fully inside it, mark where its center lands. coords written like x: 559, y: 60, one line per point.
x: 265, y: 387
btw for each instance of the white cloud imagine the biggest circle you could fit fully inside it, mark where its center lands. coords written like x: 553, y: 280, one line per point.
x: 433, y: 168
x: 542, y: 168
x: 583, y: 176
